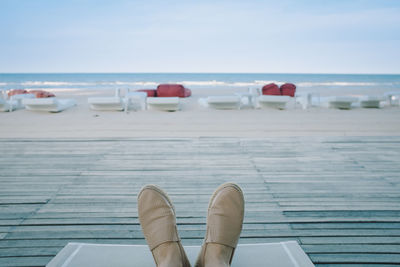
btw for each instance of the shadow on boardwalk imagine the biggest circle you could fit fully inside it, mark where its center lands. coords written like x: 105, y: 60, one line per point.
x: 338, y: 197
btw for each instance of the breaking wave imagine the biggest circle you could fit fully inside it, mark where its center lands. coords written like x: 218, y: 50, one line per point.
x: 311, y: 84
x: 51, y: 83
x: 187, y: 83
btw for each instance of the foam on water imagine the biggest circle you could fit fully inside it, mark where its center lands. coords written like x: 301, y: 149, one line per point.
x: 188, y: 83
x: 309, y: 82
x: 204, y: 83
x: 50, y: 83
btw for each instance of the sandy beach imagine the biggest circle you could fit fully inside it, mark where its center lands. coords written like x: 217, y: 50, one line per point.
x: 193, y: 120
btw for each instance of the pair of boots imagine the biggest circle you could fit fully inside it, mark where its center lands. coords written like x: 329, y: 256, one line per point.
x: 224, y: 224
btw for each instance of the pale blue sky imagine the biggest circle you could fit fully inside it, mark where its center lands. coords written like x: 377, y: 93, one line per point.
x: 345, y: 36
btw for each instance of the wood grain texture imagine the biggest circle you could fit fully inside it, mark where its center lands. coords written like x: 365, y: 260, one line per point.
x: 339, y: 197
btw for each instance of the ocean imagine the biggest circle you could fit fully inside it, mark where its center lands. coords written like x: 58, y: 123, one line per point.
x: 320, y: 83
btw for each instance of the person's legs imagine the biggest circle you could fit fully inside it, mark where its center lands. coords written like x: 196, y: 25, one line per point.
x: 224, y: 224
x: 157, y: 218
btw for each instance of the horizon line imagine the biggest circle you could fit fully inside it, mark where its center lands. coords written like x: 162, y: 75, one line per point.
x: 295, y: 73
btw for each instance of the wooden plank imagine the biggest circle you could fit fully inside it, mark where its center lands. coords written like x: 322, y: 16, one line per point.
x: 29, y: 252
x: 394, y: 240
x: 356, y: 225
x: 4, y: 222
x: 25, y: 261
x: 33, y: 243
x: 352, y: 265
x: 356, y: 258
x: 352, y: 248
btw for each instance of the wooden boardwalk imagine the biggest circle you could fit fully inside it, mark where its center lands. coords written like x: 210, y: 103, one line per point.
x: 339, y: 197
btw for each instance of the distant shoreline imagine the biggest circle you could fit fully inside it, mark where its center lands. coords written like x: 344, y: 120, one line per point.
x: 101, y: 81
x: 262, y: 73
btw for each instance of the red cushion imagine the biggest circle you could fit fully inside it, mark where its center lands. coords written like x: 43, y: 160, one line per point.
x: 271, y: 89
x: 188, y: 92
x: 41, y: 93
x: 17, y: 92
x: 288, y: 89
x: 172, y: 90
x: 150, y: 92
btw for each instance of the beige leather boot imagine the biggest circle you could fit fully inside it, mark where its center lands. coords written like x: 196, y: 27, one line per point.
x: 224, y: 224
x: 157, y: 218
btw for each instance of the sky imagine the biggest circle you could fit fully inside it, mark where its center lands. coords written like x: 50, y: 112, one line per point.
x: 248, y: 36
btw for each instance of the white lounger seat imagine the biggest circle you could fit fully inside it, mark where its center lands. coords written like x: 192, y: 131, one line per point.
x: 371, y: 101
x: 224, y: 102
x: 163, y: 103
x: 284, y: 254
x: 106, y: 103
x: 341, y: 102
x: 14, y: 103
x: 51, y: 104
x: 273, y: 101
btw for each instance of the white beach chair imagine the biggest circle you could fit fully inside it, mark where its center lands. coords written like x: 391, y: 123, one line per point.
x: 51, y: 104
x: 371, y: 101
x: 341, y: 102
x: 14, y: 102
x: 254, y: 95
x: 164, y: 103
x: 135, y: 100
x: 283, y: 254
x: 249, y: 98
x: 273, y: 101
x: 305, y: 99
x: 393, y: 98
x: 224, y: 102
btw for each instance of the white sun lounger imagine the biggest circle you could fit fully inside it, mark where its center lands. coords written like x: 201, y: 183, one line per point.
x: 273, y: 101
x: 106, y: 103
x: 307, y: 99
x: 164, y: 103
x: 284, y: 254
x: 371, y: 101
x: 51, y: 104
x: 393, y: 98
x: 224, y: 102
x: 341, y: 102
x: 14, y: 103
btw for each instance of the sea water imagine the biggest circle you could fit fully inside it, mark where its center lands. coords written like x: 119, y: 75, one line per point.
x: 325, y: 84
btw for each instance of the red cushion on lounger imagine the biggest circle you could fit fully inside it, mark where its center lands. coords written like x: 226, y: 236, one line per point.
x: 173, y: 90
x: 271, y: 89
x: 17, y: 92
x: 41, y: 93
x: 150, y: 92
x: 288, y: 89
x: 188, y: 92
